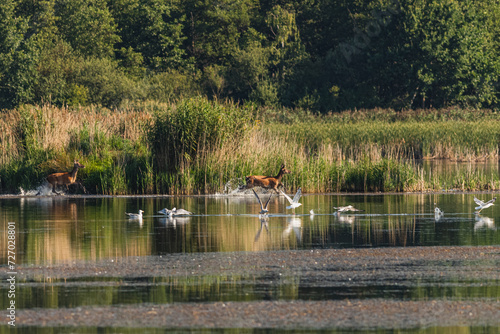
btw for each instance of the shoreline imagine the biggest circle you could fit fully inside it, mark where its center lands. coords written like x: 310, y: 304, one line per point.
x: 14, y: 196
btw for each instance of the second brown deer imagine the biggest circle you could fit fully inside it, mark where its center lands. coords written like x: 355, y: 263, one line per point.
x: 65, y: 179
x: 267, y: 181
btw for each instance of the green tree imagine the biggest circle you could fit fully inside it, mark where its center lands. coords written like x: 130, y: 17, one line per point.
x: 458, y: 63
x: 215, y: 29
x: 288, y: 53
x: 422, y: 54
x: 17, y: 57
x: 87, y: 25
x: 153, y: 28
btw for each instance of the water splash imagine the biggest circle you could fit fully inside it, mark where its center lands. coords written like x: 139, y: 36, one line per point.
x: 237, y: 187
x: 234, y: 187
x: 43, y: 190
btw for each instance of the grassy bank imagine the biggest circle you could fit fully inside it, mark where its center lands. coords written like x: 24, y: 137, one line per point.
x: 197, y: 146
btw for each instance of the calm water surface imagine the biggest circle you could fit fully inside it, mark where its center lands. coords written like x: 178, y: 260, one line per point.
x: 62, y: 229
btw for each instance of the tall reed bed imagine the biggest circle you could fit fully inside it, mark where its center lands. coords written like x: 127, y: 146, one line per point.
x: 454, y: 140
x: 197, y: 146
x: 262, y: 153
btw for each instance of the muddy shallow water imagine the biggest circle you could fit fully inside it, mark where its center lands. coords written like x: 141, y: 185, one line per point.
x: 387, y: 268
x: 81, y: 266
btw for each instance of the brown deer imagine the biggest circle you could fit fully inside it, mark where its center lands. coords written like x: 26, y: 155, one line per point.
x: 65, y: 179
x: 267, y: 181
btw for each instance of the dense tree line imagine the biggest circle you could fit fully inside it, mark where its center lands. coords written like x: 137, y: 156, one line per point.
x: 325, y: 55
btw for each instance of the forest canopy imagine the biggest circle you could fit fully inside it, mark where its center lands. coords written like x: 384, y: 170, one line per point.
x: 322, y: 55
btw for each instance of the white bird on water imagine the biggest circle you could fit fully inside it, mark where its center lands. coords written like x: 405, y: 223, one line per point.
x: 135, y: 215
x: 175, y: 212
x: 482, y: 205
x: 263, y: 208
x: 347, y: 208
x: 437, y: 213
x: 294, y: 203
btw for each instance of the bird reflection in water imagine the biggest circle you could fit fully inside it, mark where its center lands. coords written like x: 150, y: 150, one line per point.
x: 484, y: 222
x: 345, y: 219
x: 264, y: 223
x: 295, y: 224
x: 174, y: 221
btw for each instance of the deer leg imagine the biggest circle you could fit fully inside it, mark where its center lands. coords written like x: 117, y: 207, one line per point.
x: 54, y: 189
x: 81, y: 185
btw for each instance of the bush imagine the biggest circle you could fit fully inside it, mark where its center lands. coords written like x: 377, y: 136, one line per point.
x: 171, y: 86
x: 106, y: 83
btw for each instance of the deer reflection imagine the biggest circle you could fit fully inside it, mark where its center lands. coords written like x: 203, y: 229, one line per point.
x: 295, y: 224
x: 484, y: 222
x: 264, y: 223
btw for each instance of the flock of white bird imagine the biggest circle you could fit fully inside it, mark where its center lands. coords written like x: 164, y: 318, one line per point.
x: 167, y: 212
x: 294, y: 203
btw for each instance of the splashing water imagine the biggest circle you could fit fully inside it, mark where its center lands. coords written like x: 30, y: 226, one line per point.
x: 237, y: 187
x: 42, y: 190
x: 234, y: 187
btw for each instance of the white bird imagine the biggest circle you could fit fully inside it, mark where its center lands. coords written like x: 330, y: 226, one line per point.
x: 175, y: 212
x: 482, y: 205
x: 165, y: 211
x: 437, y: 213
x: 180, y: 212
x: 135, y: 215
x: 345, y: 208
x: 294, y: 203
x: 263, y: 209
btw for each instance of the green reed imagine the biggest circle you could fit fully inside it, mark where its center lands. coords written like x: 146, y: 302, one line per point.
x: 456, y: 140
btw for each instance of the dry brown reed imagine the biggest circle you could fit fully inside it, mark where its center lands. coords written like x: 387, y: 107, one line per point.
x: 9, y: 139
x: 56, y: 127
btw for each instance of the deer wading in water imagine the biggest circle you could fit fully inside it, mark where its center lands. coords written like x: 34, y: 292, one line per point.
x: 65, y: 179
x: 267, y: 181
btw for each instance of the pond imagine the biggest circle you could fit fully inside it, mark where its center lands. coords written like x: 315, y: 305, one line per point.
x: 55, y: 231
